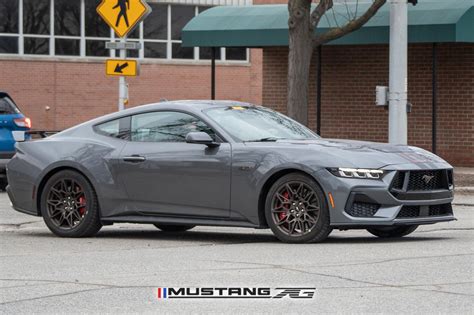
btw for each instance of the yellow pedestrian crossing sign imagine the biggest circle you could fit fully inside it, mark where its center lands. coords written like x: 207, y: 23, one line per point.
x: 123, y: 15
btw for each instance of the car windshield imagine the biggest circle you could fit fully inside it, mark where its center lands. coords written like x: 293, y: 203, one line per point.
x: 250, y: 124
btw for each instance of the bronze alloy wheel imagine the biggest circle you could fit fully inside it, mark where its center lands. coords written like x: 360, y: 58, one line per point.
x: 69, y: 205
x: 66, y: 203
x: 295, y: 208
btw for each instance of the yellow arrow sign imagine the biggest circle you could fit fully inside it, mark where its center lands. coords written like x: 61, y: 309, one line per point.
x: 121, y: 67
x: 123, y: 15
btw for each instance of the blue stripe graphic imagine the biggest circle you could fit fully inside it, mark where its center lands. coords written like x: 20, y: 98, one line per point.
x: 165, y: 293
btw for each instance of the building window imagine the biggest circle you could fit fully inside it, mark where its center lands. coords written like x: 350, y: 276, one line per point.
x: 72, y: 28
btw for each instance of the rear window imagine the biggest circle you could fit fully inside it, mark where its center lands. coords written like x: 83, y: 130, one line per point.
x: 118, y: 128
x: 7, y: 107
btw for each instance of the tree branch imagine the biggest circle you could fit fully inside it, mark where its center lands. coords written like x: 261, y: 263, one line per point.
x: 318, y: 13
x: 351, y: 26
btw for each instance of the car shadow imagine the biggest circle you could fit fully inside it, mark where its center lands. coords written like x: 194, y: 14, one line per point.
x: 189, y: 236
x: 237, y: 238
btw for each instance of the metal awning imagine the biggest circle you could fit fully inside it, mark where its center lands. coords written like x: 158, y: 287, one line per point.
x: 430, y: 21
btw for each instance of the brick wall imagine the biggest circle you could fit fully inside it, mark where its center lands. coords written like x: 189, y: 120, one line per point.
x: 349, y: 77
x: 79, y: 91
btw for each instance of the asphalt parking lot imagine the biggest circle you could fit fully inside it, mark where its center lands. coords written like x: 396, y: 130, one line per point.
x: 120, y: 270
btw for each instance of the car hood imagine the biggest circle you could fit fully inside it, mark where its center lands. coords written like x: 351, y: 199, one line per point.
x: 363, y: 154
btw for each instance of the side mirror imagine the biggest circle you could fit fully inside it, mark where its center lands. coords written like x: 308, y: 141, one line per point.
x: 201, y: 138
x: 18, y: 136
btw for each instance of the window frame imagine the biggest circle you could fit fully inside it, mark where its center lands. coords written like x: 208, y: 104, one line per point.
x: 127, y: 120
x: 124, y: 121
x: 219, y: 138
x: 83, y: 39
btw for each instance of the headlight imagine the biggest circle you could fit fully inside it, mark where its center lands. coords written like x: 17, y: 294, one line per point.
x: 357, y: 173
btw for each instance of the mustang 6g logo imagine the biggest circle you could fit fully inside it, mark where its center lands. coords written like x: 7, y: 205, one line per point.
x: 235, y: 293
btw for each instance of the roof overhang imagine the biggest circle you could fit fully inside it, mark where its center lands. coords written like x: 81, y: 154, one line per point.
x: 431, y: 21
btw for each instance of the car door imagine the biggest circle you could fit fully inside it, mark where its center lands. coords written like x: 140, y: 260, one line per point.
x: 164, y: 175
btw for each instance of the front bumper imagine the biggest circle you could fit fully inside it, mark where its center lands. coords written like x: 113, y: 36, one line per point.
x: 361, y: 203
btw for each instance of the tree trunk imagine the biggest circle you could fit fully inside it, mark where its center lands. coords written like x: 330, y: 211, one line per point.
x: 299, y: 59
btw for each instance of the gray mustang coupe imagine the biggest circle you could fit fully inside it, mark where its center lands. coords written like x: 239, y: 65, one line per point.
x: 186, y: 163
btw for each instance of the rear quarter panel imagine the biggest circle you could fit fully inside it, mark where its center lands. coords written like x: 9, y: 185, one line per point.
x: 35, y: 160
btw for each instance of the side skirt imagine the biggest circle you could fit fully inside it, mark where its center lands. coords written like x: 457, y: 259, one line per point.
x: 176, y: 220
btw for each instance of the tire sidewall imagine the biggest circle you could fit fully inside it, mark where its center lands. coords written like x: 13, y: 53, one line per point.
x: 91, y: 205
x: 322, y: 228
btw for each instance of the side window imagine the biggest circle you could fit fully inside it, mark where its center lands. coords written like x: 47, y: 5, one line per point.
x: 117, y: 128
x: 166, y: 127
x: 7, y: 107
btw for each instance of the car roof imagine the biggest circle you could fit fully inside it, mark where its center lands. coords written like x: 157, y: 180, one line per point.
x: 189, y: 104
x: 185, y: 105
x: 192, y: 106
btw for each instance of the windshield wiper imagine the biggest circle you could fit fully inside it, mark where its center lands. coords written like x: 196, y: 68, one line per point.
x: 267, y: 139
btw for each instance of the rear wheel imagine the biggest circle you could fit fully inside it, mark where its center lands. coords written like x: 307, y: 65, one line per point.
x: 296, y: 210
x: 173, y: 228
x: 392, y: 231
x: 69, y: 205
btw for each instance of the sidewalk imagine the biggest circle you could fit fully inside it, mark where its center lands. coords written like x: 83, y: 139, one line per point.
x: 464, y: 180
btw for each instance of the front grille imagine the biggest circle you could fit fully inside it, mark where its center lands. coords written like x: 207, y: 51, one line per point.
x: 425, y: 211
x: 427, y: 180
x: 363, y: 209
x: 398, y: 180
x: 421, y: 181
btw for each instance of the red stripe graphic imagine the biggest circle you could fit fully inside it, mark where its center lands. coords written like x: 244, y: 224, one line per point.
x: 159, y: 293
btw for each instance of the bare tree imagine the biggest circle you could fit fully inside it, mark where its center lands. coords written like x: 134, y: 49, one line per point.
x: 303, y: 40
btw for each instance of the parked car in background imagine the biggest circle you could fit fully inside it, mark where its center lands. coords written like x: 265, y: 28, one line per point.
x: 11, y: 119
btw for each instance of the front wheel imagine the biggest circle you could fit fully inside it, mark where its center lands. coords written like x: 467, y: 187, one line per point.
x: 173, y: 228
x: 392, y: 231
x: 296, y: 210
x: 69, y: 205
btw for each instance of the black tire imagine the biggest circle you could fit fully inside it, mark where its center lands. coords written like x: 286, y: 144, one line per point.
x: 3, y: 184
x: 284, y: 222
x: 73, y: 213
x: 173, y: 228
x: 392, y: 231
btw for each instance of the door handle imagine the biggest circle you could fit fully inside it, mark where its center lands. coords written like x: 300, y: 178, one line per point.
x: 134, y: 159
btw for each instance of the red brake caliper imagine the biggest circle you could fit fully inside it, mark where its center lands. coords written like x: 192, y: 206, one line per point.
x: 282, y: 215
x: 82, y: 202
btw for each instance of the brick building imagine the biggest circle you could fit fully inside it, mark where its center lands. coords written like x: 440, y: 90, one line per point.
x: 52, y: 62
x: 52, y: 56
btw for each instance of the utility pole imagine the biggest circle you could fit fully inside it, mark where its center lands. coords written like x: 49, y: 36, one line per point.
x: 398, y: 78
x: 123, y: 87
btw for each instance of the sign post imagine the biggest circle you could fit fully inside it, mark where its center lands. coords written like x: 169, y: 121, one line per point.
x: 123, y: 87
x: 123, y: 16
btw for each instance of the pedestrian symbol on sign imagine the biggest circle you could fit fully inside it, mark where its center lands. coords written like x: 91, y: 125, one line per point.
x: 124, y: 5
x: 123, y: 15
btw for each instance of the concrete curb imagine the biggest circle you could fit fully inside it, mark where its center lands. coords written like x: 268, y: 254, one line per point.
x: 464, y: 190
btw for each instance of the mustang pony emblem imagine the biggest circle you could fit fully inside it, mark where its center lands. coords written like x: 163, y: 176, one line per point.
x: 427, y: 178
